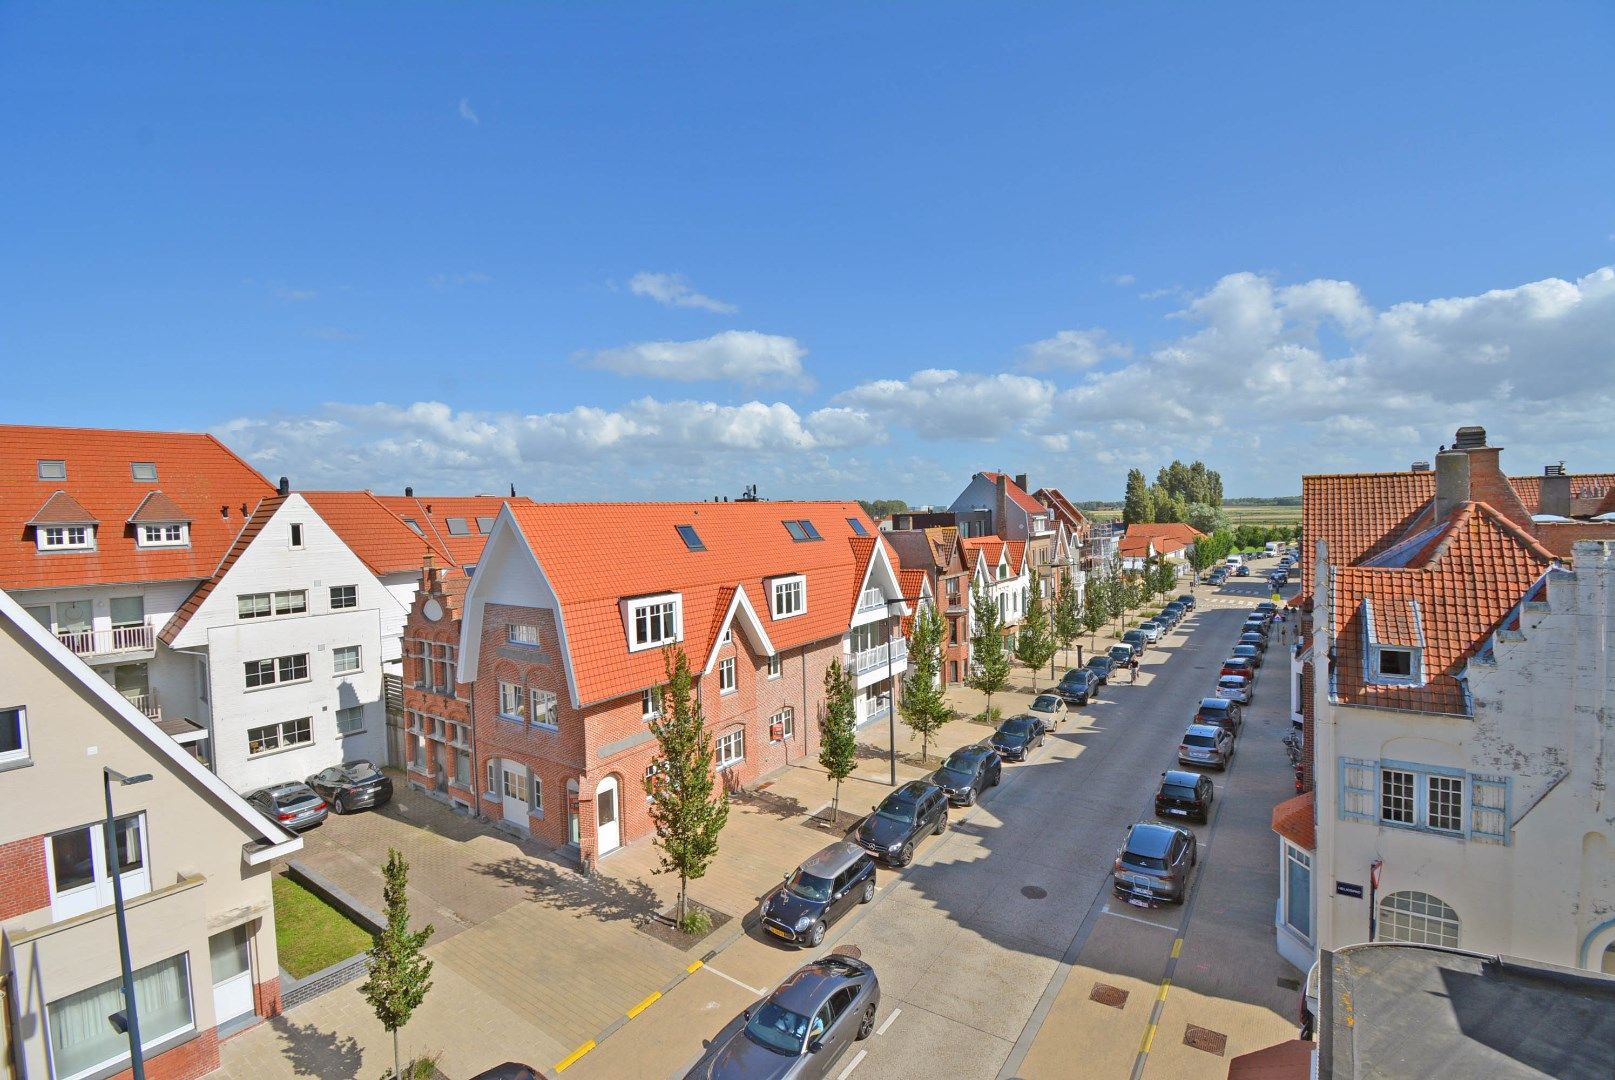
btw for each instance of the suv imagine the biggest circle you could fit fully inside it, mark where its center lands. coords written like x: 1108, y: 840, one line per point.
x: 967, y: 772
x: 1221, y: 712
x: 901, y: 820
x: 817, y: 893
x: 1016, y: 737
x: 1154, y: 864
x: 1206, y: 744
x: 1101, y: 666
x: 1187, y: 600
x: 1185, y: 795
x: 1235, y: 688
x: 1077, y: 686
x: 1237, y: 665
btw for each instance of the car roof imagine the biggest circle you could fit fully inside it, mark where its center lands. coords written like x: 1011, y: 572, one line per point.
x: 1044, y: 697
x: 832, y: 860
x: 1181, y: 776
x: 1231, y: 680
x: 1244, y: 645
x: 1220, y: 704
x: 974, y: 750
x: 1148, y: 838
x: 810, y: 985
x: 1203, y: 729
x: 914, y: 789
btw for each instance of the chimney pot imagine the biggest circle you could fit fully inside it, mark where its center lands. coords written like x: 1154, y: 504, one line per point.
x: 1421, y: 466
x: 1470, y: 437
x: 285, y: 486
x: 1555, y: 497
x: 1452, y: 482
x: 409, y: 493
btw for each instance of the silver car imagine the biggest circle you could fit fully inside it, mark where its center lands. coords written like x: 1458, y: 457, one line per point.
x: 801, y: 1029
x: 292, y: 805
x: 1204, y: 744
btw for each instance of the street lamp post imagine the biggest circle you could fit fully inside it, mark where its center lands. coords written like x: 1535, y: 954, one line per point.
x: 891, y: 690
x: 131, y: 1018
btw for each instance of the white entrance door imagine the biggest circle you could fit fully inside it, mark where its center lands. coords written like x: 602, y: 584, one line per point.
x: 515, y: 794
x: 232, y: 975
x: 608, y: 833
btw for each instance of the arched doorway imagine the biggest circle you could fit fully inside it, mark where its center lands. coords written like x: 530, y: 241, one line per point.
x: 607, y: 817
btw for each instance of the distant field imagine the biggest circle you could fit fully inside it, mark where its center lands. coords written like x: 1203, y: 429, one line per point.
x: 1257, y: 514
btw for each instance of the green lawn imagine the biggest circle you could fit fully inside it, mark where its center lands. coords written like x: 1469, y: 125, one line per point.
x: 309, y: 933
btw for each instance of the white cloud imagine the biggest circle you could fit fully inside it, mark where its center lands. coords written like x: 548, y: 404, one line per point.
x: 942, y: 404
x: 469, y: 114
x: 1074, y: 349
x: 744, y: 356
x: 672, y: 290
x: 1121, y: 279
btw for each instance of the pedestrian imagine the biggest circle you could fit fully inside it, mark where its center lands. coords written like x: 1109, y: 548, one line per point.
x: 1132, y: 668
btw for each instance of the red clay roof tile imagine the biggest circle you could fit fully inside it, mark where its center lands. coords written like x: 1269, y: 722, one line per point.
x: 1294, y: 819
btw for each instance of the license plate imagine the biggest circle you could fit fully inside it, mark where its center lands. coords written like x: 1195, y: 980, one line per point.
x: 777, y: 930
x: 1180, y: 813
x: 1136, y: 902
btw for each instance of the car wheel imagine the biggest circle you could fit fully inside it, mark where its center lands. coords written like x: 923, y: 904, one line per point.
x: 816, y: 935
x: 869, y: 892
x: 866, y: 1026
x: 970, y: 797
x: 337, y: 807
x: 906, y: 856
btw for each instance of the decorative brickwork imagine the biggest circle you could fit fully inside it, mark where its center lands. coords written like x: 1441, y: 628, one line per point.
x: 23, y: 884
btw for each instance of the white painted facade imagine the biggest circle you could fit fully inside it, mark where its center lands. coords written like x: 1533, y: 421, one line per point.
x: 240, y: 752
x: 1530, y: 868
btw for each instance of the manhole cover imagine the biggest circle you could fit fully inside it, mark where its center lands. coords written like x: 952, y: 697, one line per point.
x: 1114, y: 996
x: 848, y: 950
x: 1289, y: 984
x: 1032, y: 892
x: 1212, y: 1042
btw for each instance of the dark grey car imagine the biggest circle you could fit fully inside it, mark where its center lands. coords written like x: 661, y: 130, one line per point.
x: 901, y: 820
x: 1017, y: 737
x: 352, y: 785
x: 969, y: 771
x: 801, y: 1029
x: 817, y: 893
x: 1154, y: 864
x: 292, y: 805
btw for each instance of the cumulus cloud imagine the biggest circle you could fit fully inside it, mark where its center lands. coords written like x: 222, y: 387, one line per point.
x: 1074, y: 349
x: 469, y: 114
x: 944, y: 404
x: 744, y: 356
x: 673, y: 290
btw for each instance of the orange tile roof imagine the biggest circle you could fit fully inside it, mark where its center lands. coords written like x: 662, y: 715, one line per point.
x: 1063, y: 508
x: 158, y: 509
x: 62, y: 509
x: 214, y: 487
x: 990, y: 547
x: 374, y: 532
x: 1166, y: 536
x: 1017, y: 494
x: 1464, y: 582
x: 598, y: 554
x: 1294, y: 819
x: 255, y: 524
x: 432, y: 514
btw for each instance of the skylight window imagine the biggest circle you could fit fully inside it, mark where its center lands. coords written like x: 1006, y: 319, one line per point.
x: 458, y: 527
x: 691, y: 538
x: 53, y: 470
x: 143, y: 470
x: 857, y: 527
x: 414, y: 526
x: 484, y: 524
x: 798, y: 533
x: 812, y: 533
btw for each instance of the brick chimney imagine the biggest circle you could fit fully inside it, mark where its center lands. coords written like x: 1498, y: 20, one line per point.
x: 1001, y: 505
x: 1487, y: 483
x: 1020, y: 482
x: 1452, y: 482
x: 1555, y: 491
x: 431, y: 576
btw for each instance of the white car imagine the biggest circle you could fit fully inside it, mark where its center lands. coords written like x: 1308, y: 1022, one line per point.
x: 1234, y: 688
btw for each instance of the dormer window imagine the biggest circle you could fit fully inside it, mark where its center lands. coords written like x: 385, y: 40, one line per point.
x: 788, y: 596
x: 65, y: 537
x: 653, y: 621
x: 154, y: 536
x: 1393, y: 665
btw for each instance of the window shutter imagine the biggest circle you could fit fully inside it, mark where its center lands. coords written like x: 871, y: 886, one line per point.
x: 1358, y: 788
x: 1489, y: 809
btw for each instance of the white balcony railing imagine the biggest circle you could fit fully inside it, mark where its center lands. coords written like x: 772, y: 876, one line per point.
x: 102, y: 642
x: 872, y: 600
x: 877, y: 658
x: 146, y: 703
x: 880, y: 712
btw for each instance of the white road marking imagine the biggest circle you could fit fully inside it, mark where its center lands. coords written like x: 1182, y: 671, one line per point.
x: 882, y: 1029
x: 851, y: 1065
x: 1131, y: 918
x: 731, y: 978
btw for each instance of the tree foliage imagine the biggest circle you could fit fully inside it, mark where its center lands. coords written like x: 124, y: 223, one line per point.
x: 688, y: 807
x: 924, y: 709
x: 1177, y: 490
x: 1137, y: 506
x: 1067, y: 619
x: 879, y: 508
x: 989, y: 665
x: 1206, y: 518
x: 1034, y: 639
x: 1095, y: 607
x: 838, y: 738
x: 400, y: 973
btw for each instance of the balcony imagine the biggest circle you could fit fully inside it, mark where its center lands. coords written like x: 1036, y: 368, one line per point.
x: 146, y: 703
x: 878, y: 658
x: 872, y: 600
x: 119, y: 639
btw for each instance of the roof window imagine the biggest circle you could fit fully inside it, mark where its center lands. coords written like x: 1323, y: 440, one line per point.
x: 143, y: 470
x: 691, y: 538
x: 485, y: 524
x: 414, y: 526
x: 802, y: 530
x: 457, y: 527
x: 857, y: 527
x: 53, y: 470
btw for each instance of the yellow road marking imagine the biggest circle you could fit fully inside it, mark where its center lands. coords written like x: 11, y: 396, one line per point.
x: 1149, y: 1037
x: 1164, y: 984
x: 1177, y: 947
x: 572, y: 1058
x: 643, y: 1005
x: 693, y: 968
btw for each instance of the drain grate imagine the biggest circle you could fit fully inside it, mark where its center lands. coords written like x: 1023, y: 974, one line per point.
x: 1114, y: 996
x: 1212, y: 1042
x: 1033, y: 892
x: 1289, y: 984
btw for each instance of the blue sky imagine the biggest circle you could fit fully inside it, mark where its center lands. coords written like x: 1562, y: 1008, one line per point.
x: 652, y: 250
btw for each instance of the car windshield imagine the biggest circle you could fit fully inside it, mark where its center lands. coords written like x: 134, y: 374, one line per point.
x: 1177, y: 791
x: 961, y: 762
x: 777, y: 1028
x: 1244, y: 650
x: 1018, y: 726
x: 955, y: 775
x: 1143, y: 862
x: 1046, y: 702
x: 1199, y: 740
x: 809, y: 887
x: 898, y: 811
x: 1098, y: 662
x: 1120, y: 651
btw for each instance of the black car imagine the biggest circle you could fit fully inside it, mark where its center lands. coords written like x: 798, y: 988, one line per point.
x: 1254, y: 637
x: 1175, y: 612
x: 817, y: 893
x: 1017, y: 737
x: 1138, y: 639
x: 800, y: 1030
x: 1187, y: 600
x: 1268, y: 608
x: 1254, y: 625
x: 353, y: 785
x: 969, y: 771
x: 1154, y: 864
x: 1077, y: 686
x: 1242, y: 571
x: 1101, y: 666
x: 1122, y: 655
x: 902, y: 819
x: 1184, y: 794
x: 1220, y: 712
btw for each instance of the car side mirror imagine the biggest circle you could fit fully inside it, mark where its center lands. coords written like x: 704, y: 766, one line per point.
x: 815, y: 1046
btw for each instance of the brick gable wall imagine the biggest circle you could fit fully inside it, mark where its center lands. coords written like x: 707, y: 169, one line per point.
x: 23, y: 884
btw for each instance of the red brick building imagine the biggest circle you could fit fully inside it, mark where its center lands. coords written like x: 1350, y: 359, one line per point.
x: 438, y: 750
x: 571, y: 610
x: 937, y: 554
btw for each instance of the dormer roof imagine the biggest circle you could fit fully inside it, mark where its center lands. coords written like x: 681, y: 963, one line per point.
x: 158, y: 509
x: 62, y: 509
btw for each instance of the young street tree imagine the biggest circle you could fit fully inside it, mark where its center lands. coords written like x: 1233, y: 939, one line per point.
x: 1068, y: 615
x: 1118, y: 594
x: 989, y: 667
x: 1034, y: 641
x: 1163, y: 578
x: 399, y: 972
x: 1096, y: 611
x: 923, y: 707
x: 838, y: 741
x: 687, y: 806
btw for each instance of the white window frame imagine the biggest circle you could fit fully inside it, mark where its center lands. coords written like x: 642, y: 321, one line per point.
x: 1407, y: 797
x: 284, y: 602
x: 47, y: 469
x: 776, y: 666
x: 342, y: 650
x: 493, y: 770
x: 348, y: 593
x: 282, y: 743
x: 787, y: 596
x: 670, y: 623
x: 730, y: 749
x: 1426, y: 921
x: 274, y: 675
x: 149, y: 1041
x: 1440, y: 788
x: 1302, y: 859
x: 136, y: 468
x: 1415, y: 673
x: 163, y: 535
x: 294, y: 536
x: 351, y: 711
x: 525, y: 634
x: 513, y: 702
x: 513, y: 784
x: 728, y: 682
x: 546, y: 708
x: 728, y: 637
x: 97, y: 892
x: 19, y: 755
x: 535, y: 794
x: 650, y: 704
x: 786, y: 719
x: 65, y: 537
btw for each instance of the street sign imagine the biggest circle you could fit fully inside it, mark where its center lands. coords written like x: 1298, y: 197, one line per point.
x: 1275, y: 598
x: 1346, y: 888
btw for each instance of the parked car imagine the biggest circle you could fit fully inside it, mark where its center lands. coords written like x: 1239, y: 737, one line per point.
x: 1101, y: 666
x: 293, y: 805
x: 1242, y: 571
x: 1154, y: 864
x: 1077, y: 685
x: 1138, y: 639
x: 1187, y: 600
x: 902, y: 819
x: 1249, y: 652
x: 1237, y: 665
x: 969, y: 771
x: 1268, y: 608
x: 801, y: 1029
x: 1218, y: 576
x: 1184, y: 795
x: 817, y: 893
x: 1206, y: 744
x: 1256, y: 638
x: 1017, y: 737
x: 1221, y: 712
x: 1175, y: 611
x: 510, y: 1070
x: 352, y: 785
x: 1255, y: 624
x: 1050, y: 708
x: 1234, y: 688
x: 1152, y: 630
x: 1122, y: 655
